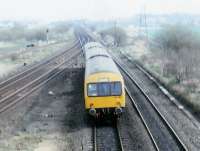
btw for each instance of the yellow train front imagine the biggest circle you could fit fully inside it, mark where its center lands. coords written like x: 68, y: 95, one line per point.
x: 104, y: 85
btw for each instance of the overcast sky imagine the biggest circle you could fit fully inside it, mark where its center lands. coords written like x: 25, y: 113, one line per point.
x: 91, y: 9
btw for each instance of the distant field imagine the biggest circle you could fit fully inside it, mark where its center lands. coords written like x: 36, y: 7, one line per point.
x: 6, y: 47
x: 31, y: 55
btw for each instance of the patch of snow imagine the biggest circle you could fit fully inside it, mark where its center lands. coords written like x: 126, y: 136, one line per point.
x: 5, y: 69
x: 180, y: 107
x: 47, y: 146
x: 50, y: 93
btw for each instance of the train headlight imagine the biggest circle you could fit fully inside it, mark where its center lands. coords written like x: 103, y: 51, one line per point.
x: 91, y: 105
x: 118, y: 104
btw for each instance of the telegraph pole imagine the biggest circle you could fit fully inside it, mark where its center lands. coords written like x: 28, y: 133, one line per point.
x: 115, y: 32
x: 145, y: 23
x: 143, y: 27
x: 47, y: 35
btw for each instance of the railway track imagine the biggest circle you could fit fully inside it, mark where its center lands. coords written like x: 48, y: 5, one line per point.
x: 18, y: 87
x: 31, y: 70
x: 163, y: 136
x: 107, y: 137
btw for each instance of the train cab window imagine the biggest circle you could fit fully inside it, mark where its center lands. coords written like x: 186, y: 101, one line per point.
x: 92, y: 89
x: 116, y: 88
x: 103, y: 89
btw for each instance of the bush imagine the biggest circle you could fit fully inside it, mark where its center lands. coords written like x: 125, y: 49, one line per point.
x: 17, y: 31
x: 118, y: 34
x: 36, y: 35
x: 21, y: 33
x: 180, y: 47
x: 14, y: 57
x: 176, y: 38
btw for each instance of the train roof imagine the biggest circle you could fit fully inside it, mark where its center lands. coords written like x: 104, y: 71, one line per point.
x: 91, y: 45
x: 94, y: 49
x: 100, y: 64
x: 98, y: 59
x: 95, y: 53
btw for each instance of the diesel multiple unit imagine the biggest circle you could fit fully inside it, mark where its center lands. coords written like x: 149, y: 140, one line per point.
x: 103, y: 86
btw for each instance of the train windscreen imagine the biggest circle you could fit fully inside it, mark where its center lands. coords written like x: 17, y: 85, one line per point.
x: 104, y: 89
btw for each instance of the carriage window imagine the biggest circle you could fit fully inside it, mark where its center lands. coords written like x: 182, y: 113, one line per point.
x: 103, y: 89
x: 116, y: 88
x: 92, y: 90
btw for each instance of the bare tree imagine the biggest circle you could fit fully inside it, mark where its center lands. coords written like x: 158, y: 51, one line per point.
x: 180, y: 51
x: 117, y: 33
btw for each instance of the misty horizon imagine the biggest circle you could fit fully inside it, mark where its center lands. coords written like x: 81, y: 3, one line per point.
x: 91, y: 10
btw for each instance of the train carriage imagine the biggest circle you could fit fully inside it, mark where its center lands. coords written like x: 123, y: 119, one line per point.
x: 103, y: 86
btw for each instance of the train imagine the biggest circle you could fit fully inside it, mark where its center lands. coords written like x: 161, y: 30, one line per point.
x: 104, y: 90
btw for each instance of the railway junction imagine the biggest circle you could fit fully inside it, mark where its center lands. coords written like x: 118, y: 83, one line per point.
x: 42, y: 108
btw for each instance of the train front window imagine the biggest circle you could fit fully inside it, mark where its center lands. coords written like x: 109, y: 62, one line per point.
x: 116, y: 88
x: 103, y: 89
x: 92, y: 90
